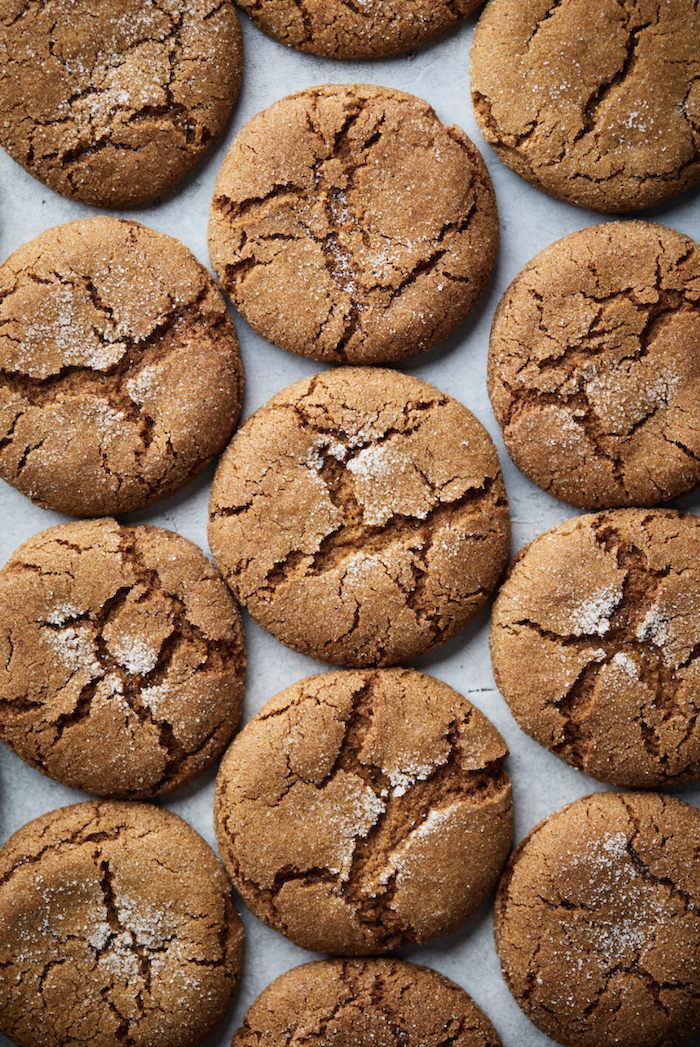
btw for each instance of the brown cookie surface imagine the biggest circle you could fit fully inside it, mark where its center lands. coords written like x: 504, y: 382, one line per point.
x: 364, y: 810
x: 360, y: 516
x: 594, y: 366
x: 113, y: 102
x: 349, y: 225
x: 116, y: 926
x: 120, y: 371
x: 122, y: 657
x: 596, y: 922
x: 369, y: 1003
x: 597, y: 104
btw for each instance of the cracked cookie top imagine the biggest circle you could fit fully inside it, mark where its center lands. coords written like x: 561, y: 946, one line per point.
x: 349, y: 225
x: 116, y: 927
x: 597, y: 922
x: 360, y: 516
x: 122, y: 658
x: 363, y: 810
x: 366, y: 1003
x: 594, y: 366
x: 120, y: 371
x: 596, y: 104
x: 113, y: 102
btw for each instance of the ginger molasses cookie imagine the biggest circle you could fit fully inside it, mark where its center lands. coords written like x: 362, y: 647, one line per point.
x: 122, y: 658
x: 116, y: 927
x: 120, y: 371
x: 351, y: 226
x: 595, y: 637
x: 594, y: 366
x: 113, y: 102
x: 366, y: 1003
x: 597, y: 922
x: 597, y: 104
x: 363, y: 810
x: 360, y: 516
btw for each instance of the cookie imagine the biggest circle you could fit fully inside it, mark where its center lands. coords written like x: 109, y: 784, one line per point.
x: 596, y: 104
x: 113, y: 102
x: 596, y: 922
x: 122, y: 658
x: 594, y: 366
x: 377, y: 1003
x: 120, y: 370
x: 363, y: 810
x: 360, y: 516
x: 350, y: 226
x: 116, y: 927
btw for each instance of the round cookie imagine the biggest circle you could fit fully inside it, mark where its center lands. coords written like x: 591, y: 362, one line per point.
x: 366, y: 1003
x: 113, y: 102
x: 596, y: 104
x: 116, y: 926
x: 349, y: 225
x: 360, y: 516
x: 594, y: 366
x: 363, y: 810
x: 596, y: 922
x: 120, y: 371
x: 122, y: 658
x: 594, y: 640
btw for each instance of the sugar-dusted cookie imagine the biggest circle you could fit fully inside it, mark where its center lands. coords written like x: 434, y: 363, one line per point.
x: 120, y: 371
x: 363, y: 810
x: 348, y: 224
x: 597, y: 922
x: 116, y: 927
x: 113, y: 102
x: 595, y: 103
x: 122, y: 658
x: 594, y: 366
x: 360, y: 516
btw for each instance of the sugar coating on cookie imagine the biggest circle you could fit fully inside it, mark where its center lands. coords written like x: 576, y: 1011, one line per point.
x: 122, y: 658
x: 120, y: 370
x: 360, y: 516
x: 594, y: 366
x: 363, y: 810
x: 366, y: 1003
x: 348, y: 224
x: 597, y: 922
x: 113, y: 102
x: 596, y: 104
x: 116, y: 926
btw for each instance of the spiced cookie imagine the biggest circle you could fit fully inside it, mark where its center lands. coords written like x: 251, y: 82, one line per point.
x: 594, y: 366
x: 368, y: 1003
x: 364, y: 810
x: 120, y: 371
x: 596, y: 104
x: 349, y: 225
x: 122, y: 658
x: 113, y: 102
x: 597, y: 926
x: 116, y: 926
x: 360, y: 516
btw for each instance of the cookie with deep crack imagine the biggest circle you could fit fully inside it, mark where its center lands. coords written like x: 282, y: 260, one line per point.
x: 116, y: 926
x: 597, y: 922
x: 596, y: 104
x: 113, y: 102
x: 120, y: 370
x: 349, y: 225
x: 594, y: 366
x: 122, y: 658
x: 363, y: 810
x: 366, y: 1003
x: 360, y: 516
